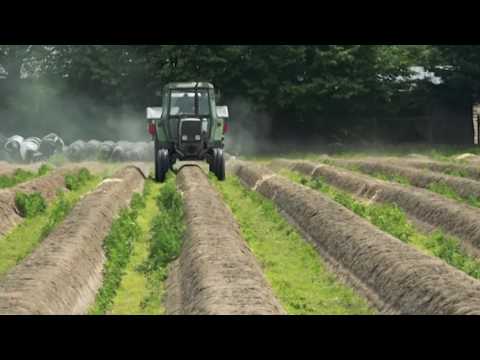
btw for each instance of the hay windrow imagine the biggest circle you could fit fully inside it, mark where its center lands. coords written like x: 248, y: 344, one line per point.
x: 404, y: 279
x: 216, y: 273
x: 449, y: 168
x: 46, y: 186
x: 7, y: 169
x: 466, y: 188
x: 64, y: 273
x: 451, y: 216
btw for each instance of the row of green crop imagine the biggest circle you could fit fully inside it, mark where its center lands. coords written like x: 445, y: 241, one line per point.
x: 118, y: 247
x: 164, y: 235
x: 134, y: 287
x: 165, y: 242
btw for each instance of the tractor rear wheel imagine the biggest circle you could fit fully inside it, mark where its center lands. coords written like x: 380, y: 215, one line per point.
x: 212, y: 164
x: 162, y: 164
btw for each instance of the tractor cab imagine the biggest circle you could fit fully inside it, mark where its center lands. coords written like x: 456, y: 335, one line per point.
x: 188, y: 126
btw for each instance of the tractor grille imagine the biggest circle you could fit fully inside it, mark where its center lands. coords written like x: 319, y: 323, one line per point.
x: 190, y: 130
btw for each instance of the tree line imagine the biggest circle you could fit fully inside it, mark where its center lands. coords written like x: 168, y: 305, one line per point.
x: 314, y: 89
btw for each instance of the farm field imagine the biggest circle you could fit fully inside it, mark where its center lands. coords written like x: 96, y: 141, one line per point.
x: 347, y: 233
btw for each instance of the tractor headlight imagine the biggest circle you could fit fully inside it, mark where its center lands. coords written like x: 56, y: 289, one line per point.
x: 184, y: 137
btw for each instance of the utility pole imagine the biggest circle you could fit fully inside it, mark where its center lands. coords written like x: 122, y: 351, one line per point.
x: 476, y: 121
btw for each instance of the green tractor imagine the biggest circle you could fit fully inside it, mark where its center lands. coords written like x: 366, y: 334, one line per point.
x: 188, y: 127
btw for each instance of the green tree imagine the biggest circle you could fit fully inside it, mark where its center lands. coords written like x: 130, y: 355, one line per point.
x: 460, y: 68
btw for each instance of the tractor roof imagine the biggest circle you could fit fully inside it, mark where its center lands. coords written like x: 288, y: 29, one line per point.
x: 189, y: 85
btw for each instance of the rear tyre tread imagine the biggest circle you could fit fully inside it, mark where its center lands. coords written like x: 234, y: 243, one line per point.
x: 162, y: 165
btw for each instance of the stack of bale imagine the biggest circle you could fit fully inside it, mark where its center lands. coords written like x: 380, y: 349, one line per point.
x: 27, y: 150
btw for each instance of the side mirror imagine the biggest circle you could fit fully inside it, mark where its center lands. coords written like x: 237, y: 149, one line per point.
x: 222, y: 112
x: 154, y: 113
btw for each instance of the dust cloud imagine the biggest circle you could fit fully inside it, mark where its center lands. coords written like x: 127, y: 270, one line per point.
x: 249, y: 129
x: 39, y: 108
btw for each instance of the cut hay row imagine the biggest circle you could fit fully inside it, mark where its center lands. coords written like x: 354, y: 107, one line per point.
x: 300, y: 279
x: 48, y: 186
x: 216, y: 273
x: 449, y: 168
x: 466, y: 188
x: 472, y: 159
x: 104, y: 167
x: 451, y: 216
x: 64, y: 273
x: 7, y: 169
x: 395, y: 277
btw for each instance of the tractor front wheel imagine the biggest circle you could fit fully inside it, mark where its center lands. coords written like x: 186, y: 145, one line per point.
x: 162, y: 164
x: 219, y: 164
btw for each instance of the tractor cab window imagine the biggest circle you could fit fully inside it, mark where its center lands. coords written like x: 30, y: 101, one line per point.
x: 183, y: 103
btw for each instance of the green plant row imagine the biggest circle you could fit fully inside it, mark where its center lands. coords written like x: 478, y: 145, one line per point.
x: 157, y: 242
x: 30, y: 205
x: 118, y: 246
x: 134, y: 287
x: 77, y: 180
x: 166, y: 239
